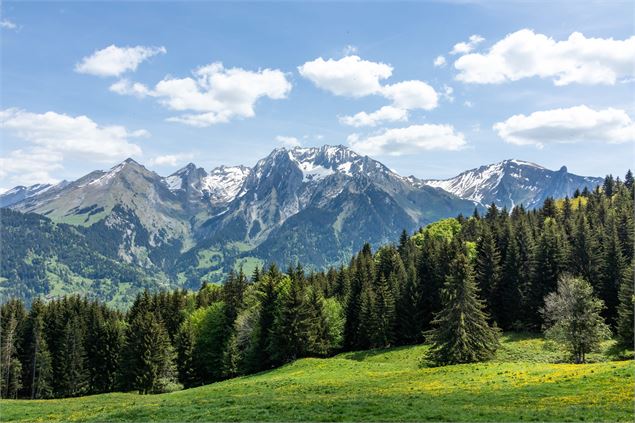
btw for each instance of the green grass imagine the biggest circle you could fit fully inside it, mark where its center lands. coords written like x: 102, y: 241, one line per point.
x: 522, y: 384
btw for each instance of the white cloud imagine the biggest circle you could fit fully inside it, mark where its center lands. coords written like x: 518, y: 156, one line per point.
x: 466, y: 47
x: 351, y: 76
x: 526, y: 54
x: 575, y: 124
x: 439, y: 62
x: 7, y: 24
x: 52, y: 137
x: 126, y: 87
x: 448, y: 93
x: 287, y: 141
x: 216, y: 94
x: 410, y: 140
x: 114, y: 61
x: 468, y: 103
x: 385, y: 114
x: 171, y: 159
x: 67, y: 134
x: 411, y: 95
x: 31, y: 167
x: 348, y: 76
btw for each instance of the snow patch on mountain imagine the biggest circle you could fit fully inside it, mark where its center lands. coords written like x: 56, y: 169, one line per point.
x: 224, y: 183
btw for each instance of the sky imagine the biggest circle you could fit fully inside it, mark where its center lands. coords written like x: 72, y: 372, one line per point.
x: 430, y: 89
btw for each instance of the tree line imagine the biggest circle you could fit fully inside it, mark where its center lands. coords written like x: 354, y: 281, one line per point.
x: 455, y: 282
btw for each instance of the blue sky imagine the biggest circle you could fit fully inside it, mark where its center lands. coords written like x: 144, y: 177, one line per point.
x: 67, y: 109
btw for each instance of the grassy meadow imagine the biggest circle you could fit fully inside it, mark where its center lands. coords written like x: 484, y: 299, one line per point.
x: 526, y: 382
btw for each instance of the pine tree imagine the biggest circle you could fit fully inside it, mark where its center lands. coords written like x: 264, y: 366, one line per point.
x: 292, y: 324
x: 461, y: 333
x: 318, y: 329
x: 185, y: 362
x: 259, y: 356
x: 586, y: 260
x: 368, y: 319
x: 614, y: 269
x: 10, y: 365
x: 629, y: 181
x: 409, y: 316
x: 74, y: 381
x: 488, y: 271
x: 509, y: 290
x: 549, y: 265
x: 36, y: 361
x: 148, y: 356
x: 384, y: 313
x: 625, y: 320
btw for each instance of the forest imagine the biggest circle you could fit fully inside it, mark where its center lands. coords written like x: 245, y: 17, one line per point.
x: 475, y: 275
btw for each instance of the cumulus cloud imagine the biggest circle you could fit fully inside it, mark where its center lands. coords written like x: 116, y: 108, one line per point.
x: 467, y: 46
x: 353, y: 77
x: 171, y: 159
x: 439, y: 62
x: 214, y: 94
x: 348, y: 76
x: 572, y: 125
x: 287, y: 141
x: 385, y: 114
x: 411, y: 95
x: 115, y: 61
x: 126, y: 87
x: 53, y: 137
x: 410, y: 140
x: 67, y: 134
x: 526, y: 54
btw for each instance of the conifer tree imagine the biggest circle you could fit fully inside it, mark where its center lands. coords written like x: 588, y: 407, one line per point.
x: 461, y: 333
x: 509, y: 291
x: 74, y: 380
x: 549, y: 265
x: 488, y: 271
x: 368, y: 319
x: 10, y: 365
x: 384, y: 313
x: 36, y: 361
x: 625, y: 308
x: 292, y: 324
x: 409, y: 316
x: 613, y: 270
x: 318, y: 326
x: 185, y: 361
x: 148, y: 365
x: 586, y: 260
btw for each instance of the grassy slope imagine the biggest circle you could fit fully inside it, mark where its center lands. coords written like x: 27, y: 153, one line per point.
x: 522, y: 384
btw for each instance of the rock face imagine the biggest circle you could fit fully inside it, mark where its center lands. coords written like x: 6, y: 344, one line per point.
x: 312, y: 205
x: 514, y: 182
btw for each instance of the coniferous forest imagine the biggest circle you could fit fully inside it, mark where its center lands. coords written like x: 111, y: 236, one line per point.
x: 455, y: 284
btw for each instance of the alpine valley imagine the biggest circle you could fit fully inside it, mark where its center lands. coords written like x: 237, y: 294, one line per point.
x: 112, y: 233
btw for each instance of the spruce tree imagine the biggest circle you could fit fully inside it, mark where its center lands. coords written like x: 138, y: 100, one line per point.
x: 586, y: 259
x: 185, y: 361
x: 36, y: 357
x: 292, y: 324
x: 10, y: 365
x: 550, y: 263
x: 384, y: 313
x: 148, y: 355
x: 488, y: 271
x: 509, y: 291
x: 614, y: 270
x: 74, y: 381
x: 625, y: 320
x: 461, y: 333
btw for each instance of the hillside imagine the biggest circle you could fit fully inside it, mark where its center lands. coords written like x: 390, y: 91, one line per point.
x: 525, y: 382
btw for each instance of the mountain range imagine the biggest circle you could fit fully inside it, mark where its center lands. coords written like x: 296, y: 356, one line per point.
x: 316, y: 206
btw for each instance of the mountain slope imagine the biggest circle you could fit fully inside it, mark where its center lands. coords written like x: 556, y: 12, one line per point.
x: 514, y: 182
x: 51, y: 260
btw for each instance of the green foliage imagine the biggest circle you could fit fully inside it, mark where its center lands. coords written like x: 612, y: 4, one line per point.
x: 572, y: 316
x: 461, y: 333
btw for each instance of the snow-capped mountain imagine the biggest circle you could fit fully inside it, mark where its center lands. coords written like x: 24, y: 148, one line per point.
x: 513, y: 182
x: 313, y: 205
x: 21, y: 193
